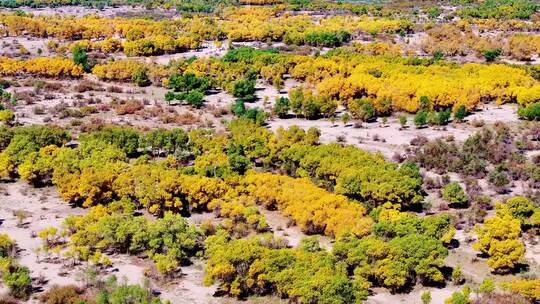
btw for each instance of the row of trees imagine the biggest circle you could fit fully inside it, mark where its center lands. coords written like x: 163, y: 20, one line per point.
x: 243, y: 24
x: 40, y: 66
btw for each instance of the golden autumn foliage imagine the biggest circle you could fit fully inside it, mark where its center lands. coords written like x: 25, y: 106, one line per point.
x: 528, y: 288
x: 40, y: 66
x: 117, y: 70
x: 313, y: 209
x: 400, y: 85
x: 498, y: 237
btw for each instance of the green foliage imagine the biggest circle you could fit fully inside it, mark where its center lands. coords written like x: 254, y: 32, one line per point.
x: 195, y: 99
x: 6, y: 134
x: 189, y: 88
x: 530, y: 112
x: 282, y: 107
x: 492, y: 55
x: 460, y: 297
x: 312, y: 107
x: 426, y: 297
x: 327, y: 39
x: 80, y: 57
x: 255, y: 115
x: 362, y: 109
x: 487, y: 287
x: 18, y: 281
x: 168, y: 239
x: 501, y: 9
x: 460, y: 113
x: 170, y: 142
x: 126, y: 139
x: 433, y: 12
x: 394, y: 264
x: 454, y: 194
x: 188, y: 82
x: 352, y: 172
x: 457, y: 275
x: 140, y: 77
x: 255, y: 266
x: 246, y: 54
x: 26, y: 140
x: 403, y: 121
x: 244, y: 89
x: 437, y: 227
x: 420, y: 119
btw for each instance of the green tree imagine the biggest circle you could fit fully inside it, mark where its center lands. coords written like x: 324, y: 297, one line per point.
x: 195, y: 99
x: 460, y: 113
x: 530, y: 111
x: 281, y: 107
x: 492, y: 54
x: 345, y: 118
x: 362, y: 109
x: 403, y: 121
x: 140, y: 77
x: 244, y: 89
x: 486, y: 287
x: 454, y: 194
x: 80, y: 57
x: 420, y: 119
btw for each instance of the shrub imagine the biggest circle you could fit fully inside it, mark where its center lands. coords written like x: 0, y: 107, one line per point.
x: 244, y: 89
x: 362, y: 109
x: 69, y: 294
x: 460, y: 113
x: 420, y: 119
x: 282, y: 107
x: 454, y: 194
x: 530, y: 112
x: 140, y: 77
x: 492, y: 55
x: 18, y: 282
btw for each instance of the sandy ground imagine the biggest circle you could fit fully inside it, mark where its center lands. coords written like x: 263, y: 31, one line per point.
x: 292, y: 234
x: 390, y: 138
x: 438, y: 295
x: 43, y: 208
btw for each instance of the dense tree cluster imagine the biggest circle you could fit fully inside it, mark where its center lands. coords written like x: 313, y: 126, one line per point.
x: 187, y: 88
x: 261, y: 265
x: 313, y: 209
x: 169, y: 241
x: 502, y: 9
x: 40, y: 66
x: 403, y: 249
